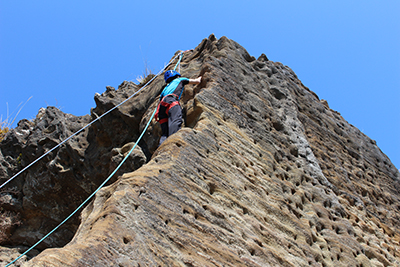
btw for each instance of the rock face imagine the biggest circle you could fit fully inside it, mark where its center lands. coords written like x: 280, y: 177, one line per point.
x: 264, y: 173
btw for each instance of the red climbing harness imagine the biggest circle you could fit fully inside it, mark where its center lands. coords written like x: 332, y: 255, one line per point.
x: 168, y: 106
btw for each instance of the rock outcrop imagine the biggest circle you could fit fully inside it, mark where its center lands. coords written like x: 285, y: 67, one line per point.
x: 263, y: 173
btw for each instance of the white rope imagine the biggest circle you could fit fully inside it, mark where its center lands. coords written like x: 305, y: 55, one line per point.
x: 87, y: 199
x: 98, y: 118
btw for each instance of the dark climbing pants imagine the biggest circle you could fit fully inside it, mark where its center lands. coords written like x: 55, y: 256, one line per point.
x: 170, y: 116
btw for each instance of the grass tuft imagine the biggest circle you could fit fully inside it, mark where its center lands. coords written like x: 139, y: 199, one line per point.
x: 5, y: 125
x: 147, y: 75
x: 144, y: 79
x: 3, y: 131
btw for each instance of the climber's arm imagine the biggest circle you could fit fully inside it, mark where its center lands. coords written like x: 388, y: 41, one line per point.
x: 195, y: 81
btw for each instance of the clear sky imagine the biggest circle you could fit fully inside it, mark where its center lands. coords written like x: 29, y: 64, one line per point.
x: 61, y: 53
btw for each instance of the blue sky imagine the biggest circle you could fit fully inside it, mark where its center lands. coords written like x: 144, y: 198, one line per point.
x: 61, y: 53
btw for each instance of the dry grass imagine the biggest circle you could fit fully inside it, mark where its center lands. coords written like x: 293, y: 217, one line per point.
x: 8, y: 219
x: 147, y: 73
x: 5, y: 125
x: 143, y: 80
x: 4, y: 128
x: 3, y: 131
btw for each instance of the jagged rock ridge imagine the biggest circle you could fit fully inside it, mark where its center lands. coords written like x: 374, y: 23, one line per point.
x: 262, y: 174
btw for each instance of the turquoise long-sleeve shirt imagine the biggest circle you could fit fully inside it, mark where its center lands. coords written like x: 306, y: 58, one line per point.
x: 175, y: 87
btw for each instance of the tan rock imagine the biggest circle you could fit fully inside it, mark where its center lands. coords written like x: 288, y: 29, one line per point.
x: 262, y: 174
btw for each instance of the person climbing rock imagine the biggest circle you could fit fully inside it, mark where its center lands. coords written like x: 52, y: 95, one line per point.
x: 169, y: 112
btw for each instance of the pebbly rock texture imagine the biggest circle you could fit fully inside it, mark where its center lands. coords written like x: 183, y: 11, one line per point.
x: 264, y: 173
x: 35, y: 202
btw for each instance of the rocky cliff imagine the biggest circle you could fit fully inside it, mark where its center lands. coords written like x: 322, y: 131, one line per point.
x: 263, y: 173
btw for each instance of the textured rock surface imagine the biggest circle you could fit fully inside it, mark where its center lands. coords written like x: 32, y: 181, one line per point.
x: 50, y: 190
x: 263, y: 174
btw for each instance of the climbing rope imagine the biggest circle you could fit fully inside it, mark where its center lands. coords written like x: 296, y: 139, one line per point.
x: 179, y: 63
x: 109, y: 177
x: 80, y: 206
x: 98, y: 118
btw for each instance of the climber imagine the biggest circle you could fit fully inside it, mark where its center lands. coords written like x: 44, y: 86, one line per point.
x: 169, y: 112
